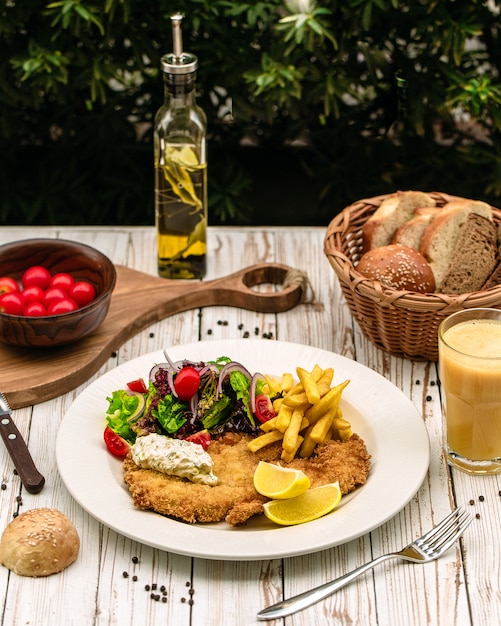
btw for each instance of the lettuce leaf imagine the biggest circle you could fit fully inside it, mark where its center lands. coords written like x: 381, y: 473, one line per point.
x: 170, y: 413
x: 241, y: 386
x: 122, y: 407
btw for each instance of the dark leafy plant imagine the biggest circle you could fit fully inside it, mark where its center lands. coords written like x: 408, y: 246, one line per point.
x: 309, y: 80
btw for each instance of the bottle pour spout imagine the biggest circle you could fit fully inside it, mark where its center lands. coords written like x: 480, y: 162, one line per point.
x: 177, y: 35
x: 178, y: 62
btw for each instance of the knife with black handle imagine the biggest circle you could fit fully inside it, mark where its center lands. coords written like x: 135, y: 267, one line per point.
x: 31, y: 478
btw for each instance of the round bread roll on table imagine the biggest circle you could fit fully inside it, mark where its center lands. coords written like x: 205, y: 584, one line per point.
x: 398, y: 267
x: 39, y: 542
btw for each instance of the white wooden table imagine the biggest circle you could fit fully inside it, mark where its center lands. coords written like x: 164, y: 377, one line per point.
x: 462, y: 588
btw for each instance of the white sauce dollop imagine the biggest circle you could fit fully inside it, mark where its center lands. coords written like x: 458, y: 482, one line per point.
x: 175, y: 457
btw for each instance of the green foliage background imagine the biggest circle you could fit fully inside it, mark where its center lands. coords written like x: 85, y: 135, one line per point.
x: 298, y: 93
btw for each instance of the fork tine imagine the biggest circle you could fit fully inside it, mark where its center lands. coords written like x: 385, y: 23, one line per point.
x: 452, y: 540
x: 448, y: 536
x: 438, y: 543
x: 438, y: 528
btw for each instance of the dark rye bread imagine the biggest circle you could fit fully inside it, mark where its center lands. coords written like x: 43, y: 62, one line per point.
x: 495, y: 278
x: 439, y: 239
x: 474, y: 258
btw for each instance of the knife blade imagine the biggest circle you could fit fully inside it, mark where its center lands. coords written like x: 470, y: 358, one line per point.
x: 31, y: 478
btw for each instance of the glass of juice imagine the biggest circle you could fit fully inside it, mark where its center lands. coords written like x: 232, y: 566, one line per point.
x: 469, y: 349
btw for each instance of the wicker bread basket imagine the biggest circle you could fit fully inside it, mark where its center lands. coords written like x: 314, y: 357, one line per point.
x: 403, y: 323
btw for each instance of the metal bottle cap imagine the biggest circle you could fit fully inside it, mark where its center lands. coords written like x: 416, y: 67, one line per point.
x: 178, y: 62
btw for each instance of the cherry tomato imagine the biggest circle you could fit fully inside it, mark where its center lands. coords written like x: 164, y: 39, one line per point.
x: 65, y: 305
x: 82, y: 292
x: 35, y: 309
x: 33, y: 294
x: 12, y: 303
x: 62, y: 280
x: 187, y: 382
x: 36, y: 275
x: 138, y: 385
x: 115, y: 444
x: 52, y: 294
x: 202, y: 438
x: 8, y: 284
x: 264, y: 408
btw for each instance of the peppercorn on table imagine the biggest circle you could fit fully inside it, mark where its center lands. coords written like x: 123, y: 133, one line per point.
x: 118, y: 580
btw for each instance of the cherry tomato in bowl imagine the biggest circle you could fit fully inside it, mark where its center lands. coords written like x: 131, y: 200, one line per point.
x: 36, y: 275
x: 115, y: 444
x: 62, y: 280
x: 51, y: 295
x: 82, y: 292
x: 64, y: 305
x: 35, y: 309
x: 264, y: 408
x: 186, y: 383
x: 8, y: 284
x: 12, y: 303
x: 33, y: 294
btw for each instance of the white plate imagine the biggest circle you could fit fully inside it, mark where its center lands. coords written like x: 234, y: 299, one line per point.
x: 380, y: 413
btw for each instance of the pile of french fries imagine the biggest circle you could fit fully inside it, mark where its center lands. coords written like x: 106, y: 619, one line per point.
x: 307, y: 413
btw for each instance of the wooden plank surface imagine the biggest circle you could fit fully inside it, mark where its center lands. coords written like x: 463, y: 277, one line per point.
x: 461, y: 589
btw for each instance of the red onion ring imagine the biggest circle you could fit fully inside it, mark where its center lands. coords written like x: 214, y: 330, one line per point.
x: 232, y: 366
x: 252, y: 390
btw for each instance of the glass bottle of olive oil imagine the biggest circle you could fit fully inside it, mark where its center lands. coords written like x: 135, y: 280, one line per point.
x: 180, y: 168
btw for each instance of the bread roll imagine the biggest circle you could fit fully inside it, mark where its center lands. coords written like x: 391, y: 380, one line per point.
x: 39, y: 542
x: 398, y: 267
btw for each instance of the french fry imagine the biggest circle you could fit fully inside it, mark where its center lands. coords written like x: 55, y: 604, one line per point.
x: 264, y: 440
x: 316, y: 373
x: 308, y: 444
x: 328, y: 401
x: 326, y: 378
x: 286, y: 382
x: 294, y: 390
x: 288, y: 456
x: 325, y: 381
x: 291, y: 434
x: 339, y: 423
x: 277, y: 403
x: 309, y: 384
x: 284, y: 418
x: 345, y: 434
x: 274, y: 386
x: 269, y: 425
x: 322, y: 426
x: 297, y: 400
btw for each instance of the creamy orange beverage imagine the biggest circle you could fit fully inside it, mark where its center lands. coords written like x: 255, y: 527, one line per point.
x: 470, y: 374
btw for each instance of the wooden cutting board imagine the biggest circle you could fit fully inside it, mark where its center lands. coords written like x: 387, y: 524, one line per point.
x: 30, y: 376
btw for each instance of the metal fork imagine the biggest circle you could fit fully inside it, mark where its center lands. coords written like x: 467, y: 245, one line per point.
x: 423, y: 550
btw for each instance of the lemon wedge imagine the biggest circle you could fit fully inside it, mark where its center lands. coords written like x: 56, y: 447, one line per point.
x: 277, y: 482
x: 306, y: 507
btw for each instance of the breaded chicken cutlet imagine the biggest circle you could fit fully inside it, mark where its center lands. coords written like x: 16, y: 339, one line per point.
x: 234, y: 499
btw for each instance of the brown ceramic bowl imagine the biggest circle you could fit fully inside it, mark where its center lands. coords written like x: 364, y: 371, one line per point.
x: 57, y: 255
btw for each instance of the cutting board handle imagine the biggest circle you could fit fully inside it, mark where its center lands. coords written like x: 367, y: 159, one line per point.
x: 237, y: 290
